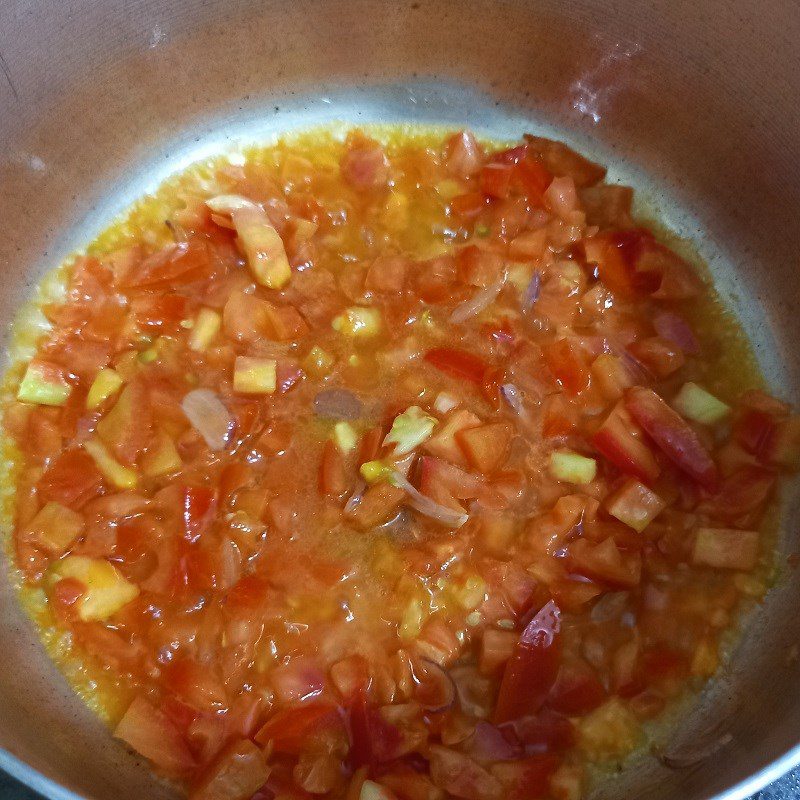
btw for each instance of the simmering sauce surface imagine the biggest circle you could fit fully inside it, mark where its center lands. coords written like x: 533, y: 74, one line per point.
x: 414, y: 469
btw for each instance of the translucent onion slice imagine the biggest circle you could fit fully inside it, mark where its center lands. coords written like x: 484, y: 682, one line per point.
x: 209, y: 417
x: 532, y: 291
x: 427, y: 507
x: 480, y: 300
x: 513, y: 398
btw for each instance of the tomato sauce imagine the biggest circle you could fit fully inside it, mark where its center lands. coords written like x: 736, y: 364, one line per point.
x: 390, y: 469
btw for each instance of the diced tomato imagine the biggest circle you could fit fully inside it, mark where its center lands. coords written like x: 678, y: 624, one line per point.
x: 407, y: 784
x: 127, y: 427
x: 464, y: 155
x: 195, y: 684
x: 196, y: 568
x: 71, y: 479
x: 616, y: 255
x: 435, y: 279
x: 199, y: 503
x: 469, y: 205
x: 149, y: 731
x: 577, y: 691
x: 662, y: 662
x: 660, y: 356
x: 497, y: 647
x: 478, y: 267
x: 486, y: 446
x: 527, y: 778
x: 235, y: 774
x: 247, y: 595
x: 501, y: 332
x: 373, y: 739
x: 299, y: 679
x: 741, y: 494
x: 379, y: 504
x: 351, y: 676
x: 532, y: 178
x: 284, y: 323
x: 495, y: 180
x: 563, y: 160
x: 293, y: 730
x: 511, y: 155
x: 547, y: 731
x: 532, y: 670
x: 387, y: 274
x: 605, y: 562
x: 754, y: 428
x: 616, y: 442
x: 288, y: 375
x: 462, y: 777
x: 673, y: 435
x: 178, y: 264
x: 783, y: 446
x: 675, y: 278
x: 573, y: 592
x: 364, y: 165
x: 370, y: 445
x: 448, y: 484
x: 153, y: 310
x: 458, y: 364
x: 68, y: 591
x: 332, y: 477
x: 567, y: 361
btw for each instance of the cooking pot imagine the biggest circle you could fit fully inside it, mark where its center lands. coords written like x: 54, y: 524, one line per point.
x: 695, y: 104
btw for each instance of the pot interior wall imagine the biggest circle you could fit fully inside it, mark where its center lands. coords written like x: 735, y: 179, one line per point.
x: 697, y: 105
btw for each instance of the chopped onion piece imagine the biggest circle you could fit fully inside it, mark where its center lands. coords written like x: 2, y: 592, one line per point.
x: 480, y: 300
x: 532, y: 292
x: 427, y: 507
x: 513, y: 398
x: 209, y: 417
x: 676, y: 329
x: 228, y: 203
x: 435, y: 690
x: 354, y: 501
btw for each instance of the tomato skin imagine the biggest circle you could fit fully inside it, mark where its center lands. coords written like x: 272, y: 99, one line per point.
x: 615, y: 442
x: 753, y: 430
x: 577, y: 691
x: 511, y: 155
x: 547, y: 731
x: 532, y: 178
x: 495, y: 180
x: 72, y: 479
x: 184, y: 263
x: 332, y: 477
x: 372, y: 740
x: 458, y: 364
x: 742, y: 493
x: 292, y: 729
x: 464, y: 154
x: 198, y: 505
x: 531, y: 671
x: 673, y: 435
x: 605, y: 562
x: 469, y: 205
x: 436, y: 278
x: 68, y: 591
x: 567, y: 361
